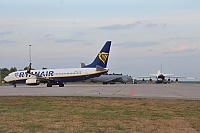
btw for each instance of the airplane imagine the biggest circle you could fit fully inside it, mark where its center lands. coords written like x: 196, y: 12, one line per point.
x: 161, y: 77
x: 112, y: 78
x: 59, y: 76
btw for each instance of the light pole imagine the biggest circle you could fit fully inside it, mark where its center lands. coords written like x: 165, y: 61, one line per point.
x: 30, y: 53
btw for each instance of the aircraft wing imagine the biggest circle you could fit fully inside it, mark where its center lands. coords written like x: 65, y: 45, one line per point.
x: 150, y: 76
x: 153, y: 75
x: 179, y: 77
x: 168, y: 75
x: 36, y: 77
x: 111, y: 79
x: 106, y: 78
x: 119, y: 79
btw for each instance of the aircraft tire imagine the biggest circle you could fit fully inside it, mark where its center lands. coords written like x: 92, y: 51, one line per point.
x: 49, y: 85
x: 105, y: 83
x: 61, y: 85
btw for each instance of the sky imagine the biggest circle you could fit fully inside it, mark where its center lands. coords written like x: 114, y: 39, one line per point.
x: 63, y: 33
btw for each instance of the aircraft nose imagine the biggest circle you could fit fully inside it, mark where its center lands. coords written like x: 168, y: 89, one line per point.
x: 6, y: 78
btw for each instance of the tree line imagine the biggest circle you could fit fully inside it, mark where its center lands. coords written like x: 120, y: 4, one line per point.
x: 5, y: 71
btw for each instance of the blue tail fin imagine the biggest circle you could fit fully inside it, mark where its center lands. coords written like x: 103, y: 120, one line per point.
x: 102, y: 57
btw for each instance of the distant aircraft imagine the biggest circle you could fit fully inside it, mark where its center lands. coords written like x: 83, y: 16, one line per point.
x: 161, y: 77
x: 59, y: 76
x: 112, y: 78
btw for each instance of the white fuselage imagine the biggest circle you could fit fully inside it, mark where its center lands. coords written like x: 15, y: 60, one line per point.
x: 61, y: 75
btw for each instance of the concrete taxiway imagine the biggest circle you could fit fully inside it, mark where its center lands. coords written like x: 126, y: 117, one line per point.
x: 158, y: 91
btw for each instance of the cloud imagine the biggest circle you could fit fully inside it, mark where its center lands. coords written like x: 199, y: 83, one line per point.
x: 7, y: 41
x: 131, y: 25
x: 5, y: 33
x: 182, y: 49
x: 182, y: 38
x: 137, y: 44
x: 48, y: 35
x: 119, y: 26
x: 155, y: 25
x: 66, y: 40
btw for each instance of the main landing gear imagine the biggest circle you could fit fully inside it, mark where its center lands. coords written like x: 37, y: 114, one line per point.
x: 59, y: 84
x: 49, y: 85
x: 14, y: 85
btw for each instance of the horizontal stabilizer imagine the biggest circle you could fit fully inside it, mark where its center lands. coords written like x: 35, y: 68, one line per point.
x: 82, y: 65
x: 99, y: 68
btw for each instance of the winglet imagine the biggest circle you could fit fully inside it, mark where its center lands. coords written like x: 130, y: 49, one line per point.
x: 29, y: 68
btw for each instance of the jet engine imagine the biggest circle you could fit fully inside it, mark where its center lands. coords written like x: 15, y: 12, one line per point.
x: 32, y: 82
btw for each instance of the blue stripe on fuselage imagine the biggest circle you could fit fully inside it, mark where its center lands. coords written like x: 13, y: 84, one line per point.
x: 76, y: 78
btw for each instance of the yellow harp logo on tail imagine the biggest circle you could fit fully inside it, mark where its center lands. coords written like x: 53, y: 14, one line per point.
x: 103, y: 56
